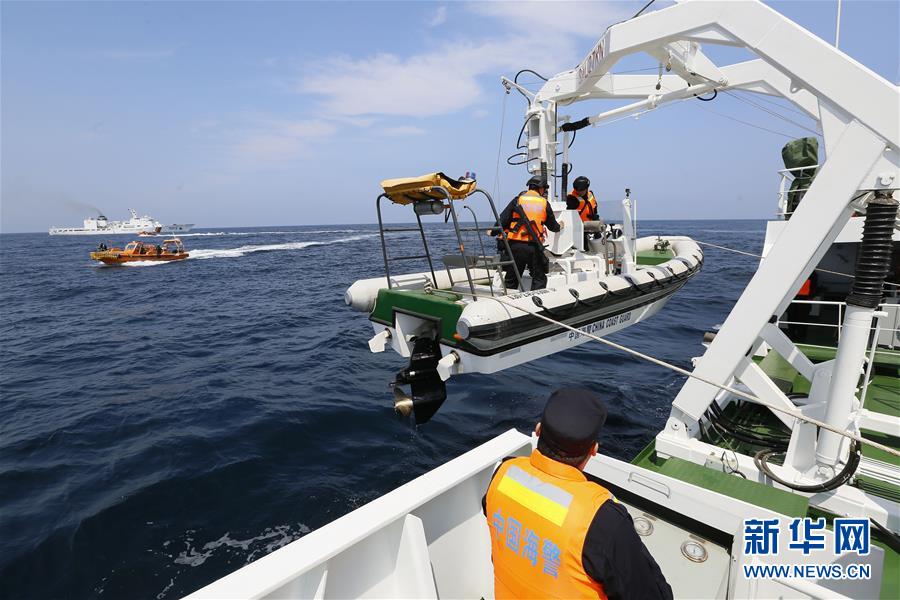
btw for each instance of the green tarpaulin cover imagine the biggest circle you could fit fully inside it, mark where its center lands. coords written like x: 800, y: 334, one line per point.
x: 796, y: 154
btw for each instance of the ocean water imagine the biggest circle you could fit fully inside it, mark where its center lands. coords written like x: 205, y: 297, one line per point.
x: 164, y: 424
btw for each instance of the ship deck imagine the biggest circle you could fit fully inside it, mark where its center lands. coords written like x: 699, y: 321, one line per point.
x: 882, y: 396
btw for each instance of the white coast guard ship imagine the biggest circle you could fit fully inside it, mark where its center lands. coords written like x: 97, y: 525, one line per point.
x: 777, y: 474
x: 101, y: 226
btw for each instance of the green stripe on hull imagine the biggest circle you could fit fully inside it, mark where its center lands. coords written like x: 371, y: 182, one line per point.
x: 442, y: 306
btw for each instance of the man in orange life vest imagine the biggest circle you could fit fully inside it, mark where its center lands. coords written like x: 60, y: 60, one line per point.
x: 555, y: 533
x: 521, y: 229
x: 581, y: 198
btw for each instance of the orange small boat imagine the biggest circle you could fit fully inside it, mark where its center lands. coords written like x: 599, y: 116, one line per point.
x: 169, y: 250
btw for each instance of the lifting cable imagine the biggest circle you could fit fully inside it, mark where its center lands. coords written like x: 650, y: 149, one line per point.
x: 761, y: 256
x: 752, y: 103
x: 500, y: 146
x: 790, y: 412
x: 775, y: 114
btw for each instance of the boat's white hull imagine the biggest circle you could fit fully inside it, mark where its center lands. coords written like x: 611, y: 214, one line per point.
x: 166, y: 229
x: 473, y: 363
x: 493, y: 335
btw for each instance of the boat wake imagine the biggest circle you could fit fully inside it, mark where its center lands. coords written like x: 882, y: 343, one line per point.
x: 205, y: 253
x: 243, y: 250
x: 142, y: 263
x: 221, y: 233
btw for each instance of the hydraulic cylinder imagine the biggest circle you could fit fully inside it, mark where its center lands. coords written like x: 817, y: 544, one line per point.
x: 873, y: 263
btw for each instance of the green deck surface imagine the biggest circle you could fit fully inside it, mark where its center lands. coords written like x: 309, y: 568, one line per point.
x: 882, y: 396
x: 877, y: 454
x: 890, y: 578
x: 654, y: 257
x: 823, y: 353
x: 733, y: 486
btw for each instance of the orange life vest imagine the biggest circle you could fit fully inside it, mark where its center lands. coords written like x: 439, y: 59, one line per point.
x: 535, y: 207
x: 587, y: 207
x: 538, y: 512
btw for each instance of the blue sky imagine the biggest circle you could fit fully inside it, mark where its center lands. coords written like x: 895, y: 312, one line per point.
x: 241, y: 114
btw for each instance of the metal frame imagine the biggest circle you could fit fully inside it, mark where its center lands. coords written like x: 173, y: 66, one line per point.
x: 384, y: 253
x: 856, y: 111
x: 503, y: 236
x: 459, y: 238
x: 787, y: 175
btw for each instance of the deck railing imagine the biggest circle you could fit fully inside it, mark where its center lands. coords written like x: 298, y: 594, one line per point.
x: 787, y: 177
x: 877, y: 329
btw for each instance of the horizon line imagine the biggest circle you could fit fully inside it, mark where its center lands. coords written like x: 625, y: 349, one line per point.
x: 372, y: 223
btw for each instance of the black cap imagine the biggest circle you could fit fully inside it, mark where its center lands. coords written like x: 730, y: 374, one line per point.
x: 572, y: 421
x: 538, y: 182
x: 581, y: 183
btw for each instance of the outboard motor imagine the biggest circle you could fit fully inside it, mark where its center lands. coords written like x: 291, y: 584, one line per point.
x: 427, y: 389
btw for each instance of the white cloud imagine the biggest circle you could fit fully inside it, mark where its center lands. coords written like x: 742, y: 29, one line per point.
x: 402, y: 130
x: 423, y: 85
x: 448, y: 78
x: 480, y: 113
x: 438, y: 18
x: 542, y: 18
x: 278, y: 140
x: 354, y: 121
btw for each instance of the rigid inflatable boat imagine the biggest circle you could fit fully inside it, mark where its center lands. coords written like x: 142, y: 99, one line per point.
x: 458, y: 317
x: 168, y: 251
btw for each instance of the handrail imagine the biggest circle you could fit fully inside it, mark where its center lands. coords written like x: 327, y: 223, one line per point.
x: 839, y: 321
x: 457, y: 228
x: 876, y: 328
x: 477, y: 230
x: 786, y: 175
x: 780, y: 171
x: 384, y: 253
x: 503, y: 236
x: 462, y: 248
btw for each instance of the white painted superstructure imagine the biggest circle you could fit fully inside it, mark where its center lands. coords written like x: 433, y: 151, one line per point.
x: 100, y: 225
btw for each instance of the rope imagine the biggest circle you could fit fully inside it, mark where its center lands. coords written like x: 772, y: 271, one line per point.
x: 771, y: 112
x: 729, y: 117
x: 755, y: 105
x: 761, y: 256
x: 646, y: 6
x: 500, y: 146
x: 761, y: 98
x: 792, y: 413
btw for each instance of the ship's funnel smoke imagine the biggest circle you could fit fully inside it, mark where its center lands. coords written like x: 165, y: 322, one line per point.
x: 82, y: 206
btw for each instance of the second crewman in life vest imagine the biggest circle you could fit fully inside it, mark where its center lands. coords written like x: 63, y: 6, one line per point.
x: 581, y: 198
x: 554, y: 532
x: 524, y: 220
